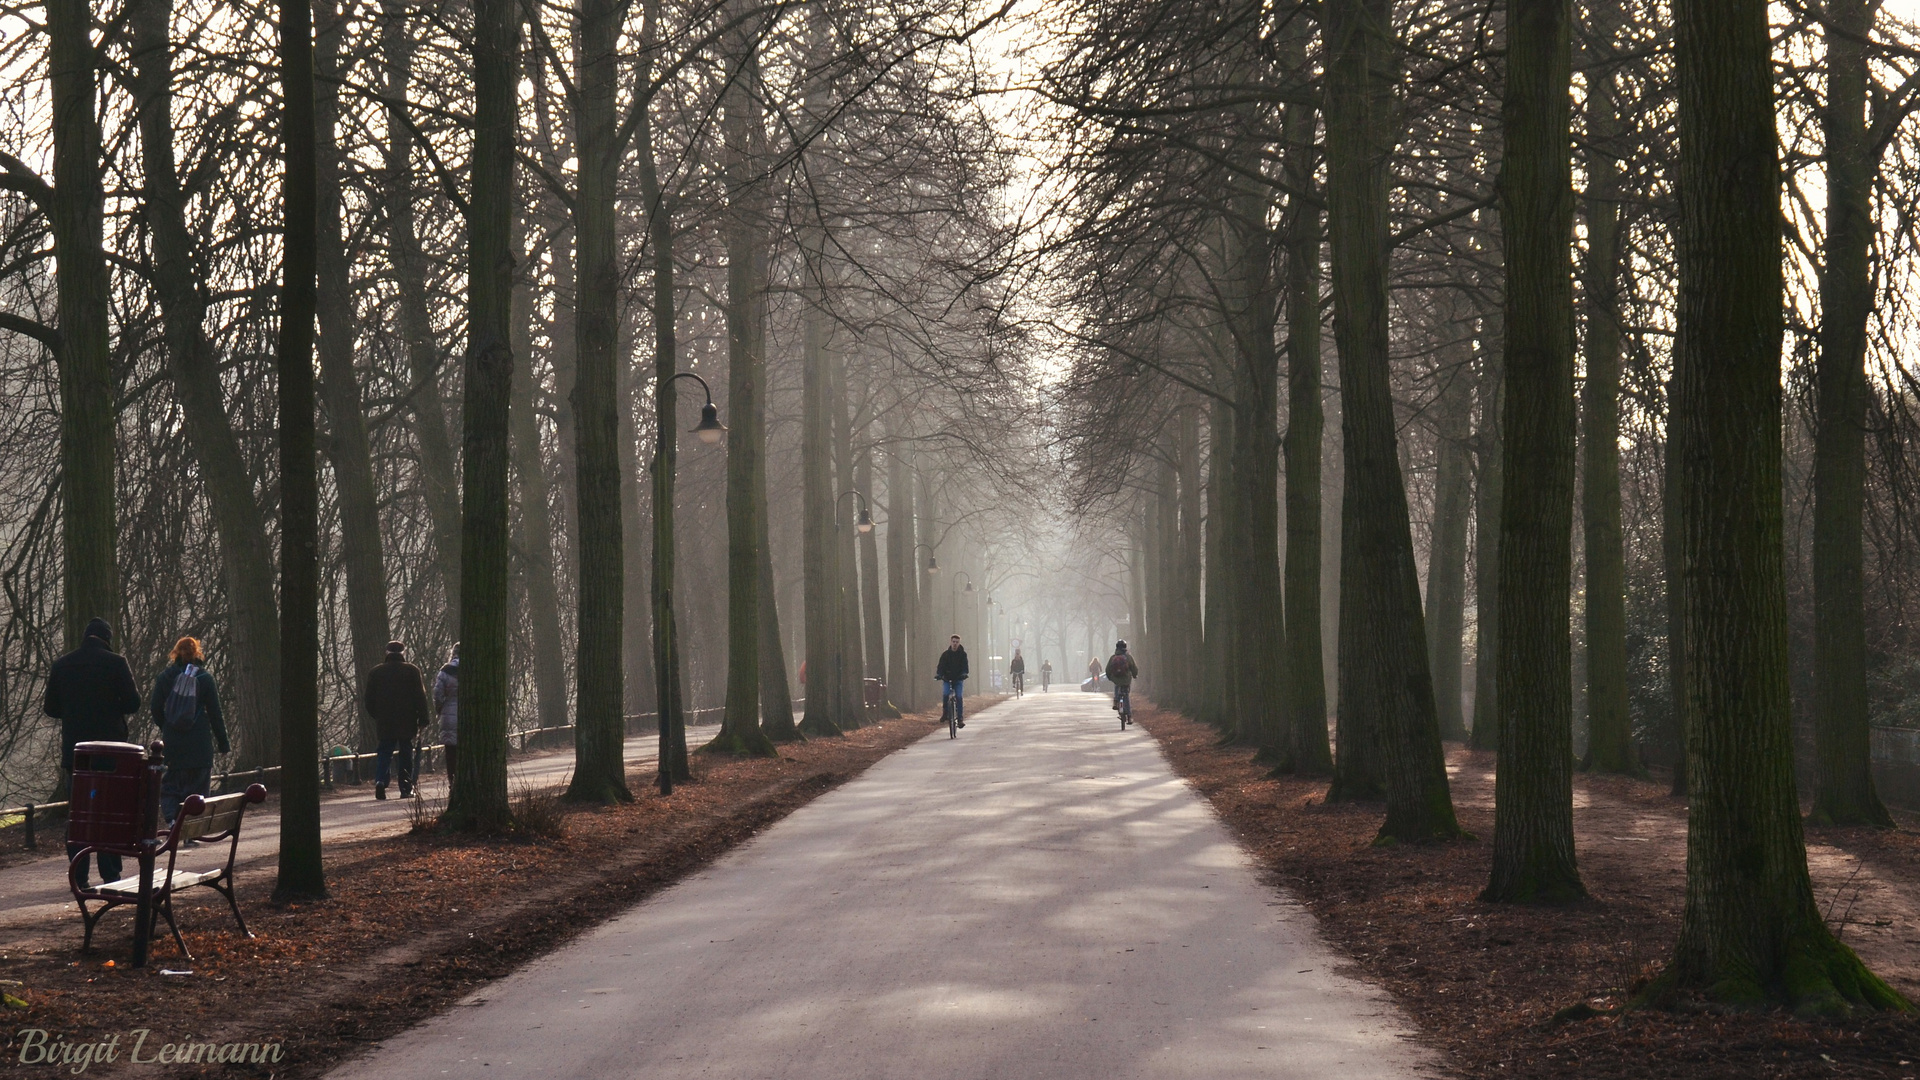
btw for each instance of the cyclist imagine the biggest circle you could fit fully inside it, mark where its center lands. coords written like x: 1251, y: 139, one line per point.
x: 952, y: 673
x: 1017, y: 667
x: 1093, y: 674
x: 1046, y: 674
x: 1121, y: 671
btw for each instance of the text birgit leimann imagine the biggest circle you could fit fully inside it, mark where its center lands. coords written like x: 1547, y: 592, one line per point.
x: 141, y: 1047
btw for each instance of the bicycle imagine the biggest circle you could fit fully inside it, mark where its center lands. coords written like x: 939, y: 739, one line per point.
x: 948, y: 713
x: 1019, y: 684
x: 1123, y: 704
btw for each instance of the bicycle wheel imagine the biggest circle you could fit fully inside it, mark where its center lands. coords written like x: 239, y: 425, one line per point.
x: 953, y: 725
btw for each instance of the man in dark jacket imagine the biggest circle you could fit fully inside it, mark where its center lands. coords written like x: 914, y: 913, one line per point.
x: 397, y: 701
x: 90, y: 691
x: 952, y: 673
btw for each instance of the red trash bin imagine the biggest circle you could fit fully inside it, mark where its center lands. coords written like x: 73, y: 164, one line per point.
x: 116, y: 796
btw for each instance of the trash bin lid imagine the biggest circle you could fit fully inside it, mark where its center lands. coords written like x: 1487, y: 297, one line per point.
x: 105, y: 747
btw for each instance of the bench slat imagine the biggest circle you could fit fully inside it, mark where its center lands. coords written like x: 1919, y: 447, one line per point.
x: 182, y: 879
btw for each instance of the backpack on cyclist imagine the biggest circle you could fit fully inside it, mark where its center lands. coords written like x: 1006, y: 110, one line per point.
x: 1117, y: 668
x: 183, y: 701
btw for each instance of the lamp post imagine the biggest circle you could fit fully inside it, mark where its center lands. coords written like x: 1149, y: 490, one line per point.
x: 933, y: 563
x: 666, y: 641
x: 863, y: 523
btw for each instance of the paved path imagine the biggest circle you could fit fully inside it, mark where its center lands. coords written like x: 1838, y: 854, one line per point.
x: 1041, y: 898
x: 35, y: 892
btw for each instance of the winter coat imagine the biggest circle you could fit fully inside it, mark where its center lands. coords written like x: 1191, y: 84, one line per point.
x: 952, y: 666
x: 446, y: 702
x: 191, y: 748
x: 1122, y: 670
x: 1017, y: 667
x: 91, y: 692
x: 397, y: 700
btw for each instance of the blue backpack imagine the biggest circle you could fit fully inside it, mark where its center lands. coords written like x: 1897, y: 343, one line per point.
x: 183, y: 701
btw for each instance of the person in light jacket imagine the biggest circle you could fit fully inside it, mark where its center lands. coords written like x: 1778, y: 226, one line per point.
x: 446, y: 704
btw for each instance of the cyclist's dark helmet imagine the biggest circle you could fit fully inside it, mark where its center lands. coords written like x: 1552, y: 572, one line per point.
x: 1119, y: 646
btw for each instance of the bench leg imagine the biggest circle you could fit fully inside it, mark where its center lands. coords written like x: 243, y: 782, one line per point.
x: 226, y: 890
x: 165, y: 907
x: 90, y: 918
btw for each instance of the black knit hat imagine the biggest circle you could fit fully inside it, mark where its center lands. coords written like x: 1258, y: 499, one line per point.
x: 395, y: 648
x: 99, y: 628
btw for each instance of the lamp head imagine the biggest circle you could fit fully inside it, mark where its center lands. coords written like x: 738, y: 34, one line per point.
x: 969, y: 586
x: 864, y: 524
x: 709, y: 428
x: 933, y: 565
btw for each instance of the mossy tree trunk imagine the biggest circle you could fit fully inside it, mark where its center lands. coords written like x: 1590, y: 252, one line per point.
x: 300, y: 875
x: 599, y: 766
x: 1610, y: 746
x: 1844, y: 792
x: 90, y: 575
x: 1750, y: 932
x: 1384, y: 680
x: 1533, y: 856
x: 478, y: 800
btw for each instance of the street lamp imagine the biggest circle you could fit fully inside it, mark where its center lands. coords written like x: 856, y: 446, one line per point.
x: 863, y: 523
x: 709, y: 429
x: 666, y: 644
x: 933, y: 564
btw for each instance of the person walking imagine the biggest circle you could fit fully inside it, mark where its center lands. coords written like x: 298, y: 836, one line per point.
x: 91, y: 692
x: 446, y: 705
x: 397, y: 701
x: 186, y: 710
x: 1046, y: 675
x: 952, y: 673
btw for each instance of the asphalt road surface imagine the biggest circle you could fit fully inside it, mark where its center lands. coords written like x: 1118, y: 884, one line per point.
x: 35, y: 892
x: 1040, y: 898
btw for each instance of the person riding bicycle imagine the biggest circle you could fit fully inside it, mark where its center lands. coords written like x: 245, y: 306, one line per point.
x: 1017, y: 667
x: 952, y: 673
x: 1046, y: 674
x: 1121, y: 671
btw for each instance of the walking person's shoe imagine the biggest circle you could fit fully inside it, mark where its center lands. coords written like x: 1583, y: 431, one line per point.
x: 406, y: 792
x: 380, y: 792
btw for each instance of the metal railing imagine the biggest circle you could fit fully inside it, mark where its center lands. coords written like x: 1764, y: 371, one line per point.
x: 221, y: 781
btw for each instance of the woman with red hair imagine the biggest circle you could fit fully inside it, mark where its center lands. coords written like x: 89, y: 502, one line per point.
x: 186, y: 710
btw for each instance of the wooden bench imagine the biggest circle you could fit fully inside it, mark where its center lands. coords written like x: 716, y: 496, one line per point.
x: 201, y: 819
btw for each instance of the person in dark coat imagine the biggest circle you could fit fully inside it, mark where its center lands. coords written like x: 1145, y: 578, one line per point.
x: 952, y: 673
x: 397, y: 701
x: 91, y: 692
x: 189, y: 748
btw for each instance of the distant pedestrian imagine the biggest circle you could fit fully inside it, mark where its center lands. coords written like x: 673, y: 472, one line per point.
x: 1046, y: 674
x: 397, y: 701
x: 186, y: 708
x: 91, y: 692
x: 952, y: 673
x: 446, y: 705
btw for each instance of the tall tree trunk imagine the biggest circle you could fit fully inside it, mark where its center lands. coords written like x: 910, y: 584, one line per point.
x: 1489, y: 392
x: 346, y: 442
x: 599, y: 765
x: 478, y: 802
x: 1609, y: 721
x: 932, y: 637
x: 439, y: 471
x: 744, y: 228
x: 821, y: 567
x: 1673, y: 509
x: 1844, y: 792
x: 636, y: 636
x: 901, y: 601
x: 1216, y: 688
x: 1306, y: 427
x: 852, y: 668
x: 1447, y: 561
x: 874, y: 620
x: 1383, y: 650
x: 1192, y: 559
x: 1533, y: 858
x: 669, y: 686
x: 533, y: 529
x: 300, y: 874
x: 90, y: 575
x: 1750, y: 931
x: 246, y: 551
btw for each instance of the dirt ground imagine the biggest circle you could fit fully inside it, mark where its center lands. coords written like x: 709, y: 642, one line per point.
x: 413, y: 923
x: 1484, y: 981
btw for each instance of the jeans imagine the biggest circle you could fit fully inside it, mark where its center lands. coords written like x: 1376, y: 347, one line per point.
x: 109, y: 864
x: 178, y: 783
x: 385, y: 754
x: 1122, y: 692
x: 951, y: 688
